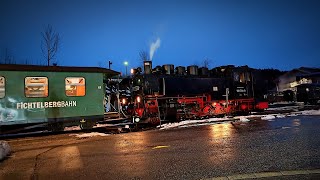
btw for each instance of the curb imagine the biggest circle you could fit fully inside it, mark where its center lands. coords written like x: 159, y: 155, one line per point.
x: 267, y: 174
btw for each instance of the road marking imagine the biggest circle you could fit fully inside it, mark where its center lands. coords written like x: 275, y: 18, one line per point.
x: 241, y: 176
x: 159, y: 147
x: 267, y: 174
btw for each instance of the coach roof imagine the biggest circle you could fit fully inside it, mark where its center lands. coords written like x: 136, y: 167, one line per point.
x: 16, y: 67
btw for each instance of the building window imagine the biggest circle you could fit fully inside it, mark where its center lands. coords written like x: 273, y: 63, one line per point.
x: 2, y: 87
x: 75, y: 86
x: 215, y: 88
x: 36, y: 86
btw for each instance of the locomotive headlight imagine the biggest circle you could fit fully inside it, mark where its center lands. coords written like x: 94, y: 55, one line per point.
x: 136, y: 119
x: 123, y: 101
x: 307, y: 89
x: 214, y: 104
x: 138, y: 99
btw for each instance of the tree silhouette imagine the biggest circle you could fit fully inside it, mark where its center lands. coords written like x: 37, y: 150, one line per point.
x: 206, y: 62
x: 8, y: 58
x: 50, y: 43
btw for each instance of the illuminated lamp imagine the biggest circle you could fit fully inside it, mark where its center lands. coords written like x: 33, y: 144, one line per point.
x: 243, y: 107
x: 136, y: 119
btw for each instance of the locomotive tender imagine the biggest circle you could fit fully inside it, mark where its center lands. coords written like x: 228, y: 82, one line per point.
x: 51, y: 96
x: 163, y: 93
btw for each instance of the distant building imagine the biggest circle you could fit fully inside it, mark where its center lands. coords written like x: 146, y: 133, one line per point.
x: 295, y: 77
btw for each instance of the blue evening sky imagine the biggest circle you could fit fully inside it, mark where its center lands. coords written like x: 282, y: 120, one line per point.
x: 282, y: 34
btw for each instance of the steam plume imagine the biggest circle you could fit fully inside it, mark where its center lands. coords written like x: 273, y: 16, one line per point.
x: 153, y: 47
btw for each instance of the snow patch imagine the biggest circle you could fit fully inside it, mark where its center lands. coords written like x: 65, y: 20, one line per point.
x: 241, y: 119
x: 188, y: 123
x: 5, y: 149
x: 86, y: 135
x: 104, y: 125
x: 72, y: 128
x: 268, y: 117
x: 311, y: 112
x: 244, y: 119
x: 281, y: 116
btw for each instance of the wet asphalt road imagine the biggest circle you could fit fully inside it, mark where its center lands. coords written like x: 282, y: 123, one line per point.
x: 202, y: 152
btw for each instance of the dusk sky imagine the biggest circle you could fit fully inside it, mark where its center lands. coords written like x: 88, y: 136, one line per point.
x: 281, y: 34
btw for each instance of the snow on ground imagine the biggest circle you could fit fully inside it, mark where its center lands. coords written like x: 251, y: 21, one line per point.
x: 280, y: 116
x: 72, y: 128
x: 104, y: 125
x: 242, y: 119
x: 87, y: 135
x: 284, y: 108
x: 268, y: 117
x: 5, y: 150
x: 191, y: 123
x: 311, y: 112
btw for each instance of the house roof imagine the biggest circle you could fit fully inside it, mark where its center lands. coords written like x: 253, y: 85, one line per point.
x: 316, y: 74
x: 301, y: 72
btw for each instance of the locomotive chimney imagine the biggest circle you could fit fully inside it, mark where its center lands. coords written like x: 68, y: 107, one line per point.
x: 180, y: 70
x: 168, y: 69
x: 147, y: 67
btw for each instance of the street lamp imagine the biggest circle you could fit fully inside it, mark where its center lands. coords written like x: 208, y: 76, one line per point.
x: 126, y: 64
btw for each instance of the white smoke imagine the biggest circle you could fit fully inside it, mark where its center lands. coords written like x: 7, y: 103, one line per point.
x: 153, y: 47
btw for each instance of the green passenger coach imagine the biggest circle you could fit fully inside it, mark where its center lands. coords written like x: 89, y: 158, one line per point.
x: 51, y: 96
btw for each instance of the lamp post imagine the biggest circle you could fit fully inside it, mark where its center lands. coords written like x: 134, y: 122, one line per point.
x: 126, y: 64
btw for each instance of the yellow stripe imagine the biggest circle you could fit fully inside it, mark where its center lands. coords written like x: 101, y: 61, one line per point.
x: 159, y: 147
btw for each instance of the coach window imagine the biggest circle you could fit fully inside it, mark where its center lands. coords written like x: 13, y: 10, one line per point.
x: 75, y: 86
x: 36, y: 86
x: 2, y: 87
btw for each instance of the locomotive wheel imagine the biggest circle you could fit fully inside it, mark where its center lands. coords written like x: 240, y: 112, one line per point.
x: 154, y: 120
x: 208, y: 109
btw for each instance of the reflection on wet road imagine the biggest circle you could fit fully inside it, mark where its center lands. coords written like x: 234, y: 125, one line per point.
x: 216, y: 150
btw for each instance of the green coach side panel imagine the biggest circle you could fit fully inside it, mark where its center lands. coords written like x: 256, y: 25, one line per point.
x: 16, y: 108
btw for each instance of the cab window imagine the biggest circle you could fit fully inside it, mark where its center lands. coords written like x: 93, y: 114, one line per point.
x: 75, y: 86
x: 36, y: 87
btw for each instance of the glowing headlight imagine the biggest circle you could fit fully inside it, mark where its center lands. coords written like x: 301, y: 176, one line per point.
x: 136, y: 119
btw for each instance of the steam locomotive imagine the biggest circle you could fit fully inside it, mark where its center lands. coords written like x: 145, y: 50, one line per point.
x: 192, y: 93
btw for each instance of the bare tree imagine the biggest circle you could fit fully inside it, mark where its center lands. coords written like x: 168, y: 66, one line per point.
x: 143, y: 55
x: 50, y: 43
x: 100, y: 64
x: 206, y: 62
x: 8, y: 58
